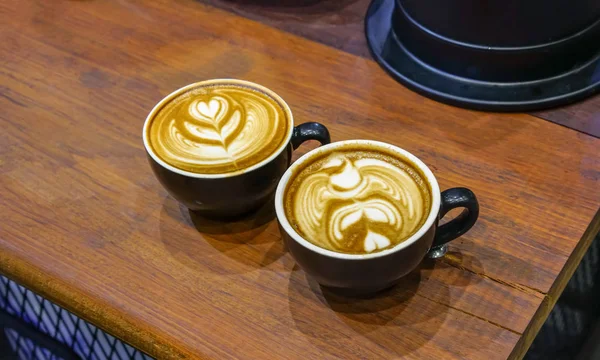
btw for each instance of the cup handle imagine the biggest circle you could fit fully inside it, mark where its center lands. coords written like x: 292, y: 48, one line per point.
x: 310, y: 131
x: 451, y: 199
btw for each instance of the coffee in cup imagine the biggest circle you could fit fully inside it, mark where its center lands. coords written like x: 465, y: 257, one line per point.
x: 357, y: 200
x: 358, y: 215
x: 219, y: 128
x: 220, y: 146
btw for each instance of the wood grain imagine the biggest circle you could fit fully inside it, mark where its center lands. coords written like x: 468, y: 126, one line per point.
x: 336, y: 23
x: 583, y: 116
x: 559, y: 285
x: 340, y: 24
x: 86, y: 224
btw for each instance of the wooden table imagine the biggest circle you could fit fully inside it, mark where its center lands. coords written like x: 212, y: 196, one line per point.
x: 340, y: 24
x: 85, y: 223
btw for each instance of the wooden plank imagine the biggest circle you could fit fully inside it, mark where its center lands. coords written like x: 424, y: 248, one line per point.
x: 340, y: 24
x: 559, y: 285
x: 88, y: 225
x: 583, y: 116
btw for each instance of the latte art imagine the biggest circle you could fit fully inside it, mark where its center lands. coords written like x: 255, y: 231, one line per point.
x: 357, y: 201
x: 218, y: 128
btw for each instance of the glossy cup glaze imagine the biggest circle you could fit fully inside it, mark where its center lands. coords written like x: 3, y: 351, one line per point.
x: 367, y: 273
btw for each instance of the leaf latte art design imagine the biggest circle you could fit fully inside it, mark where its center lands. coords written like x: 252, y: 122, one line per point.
x: 218, y: 129
x: 358, y: 202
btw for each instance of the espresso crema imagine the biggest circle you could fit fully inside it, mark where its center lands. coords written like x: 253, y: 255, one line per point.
x: 218, y: 128
x: 357, y: 200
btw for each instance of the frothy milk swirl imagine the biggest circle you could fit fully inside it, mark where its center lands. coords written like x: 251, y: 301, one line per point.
x: 358, y: 202
x: 218, y: 129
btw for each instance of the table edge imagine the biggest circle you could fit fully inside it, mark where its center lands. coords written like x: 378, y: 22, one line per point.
x: 93, y: 310
x: 561, y: 281
x: 160, y: 345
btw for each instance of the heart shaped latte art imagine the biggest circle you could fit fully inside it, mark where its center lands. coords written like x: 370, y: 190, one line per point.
x: 211, y: 112
x: 219, y: 129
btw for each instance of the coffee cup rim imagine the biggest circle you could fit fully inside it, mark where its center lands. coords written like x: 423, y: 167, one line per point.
x: 183, y: 89
x: 431, y: 218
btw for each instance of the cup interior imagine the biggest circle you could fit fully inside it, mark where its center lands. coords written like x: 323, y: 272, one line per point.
x: 310, y: 156
x: 244, y: 83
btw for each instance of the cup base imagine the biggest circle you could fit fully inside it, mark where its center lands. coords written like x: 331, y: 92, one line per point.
x: 261, y: 209
x: 357, y: 292
x: 225, y: 215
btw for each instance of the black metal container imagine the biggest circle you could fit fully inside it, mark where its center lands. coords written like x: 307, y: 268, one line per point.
x: 491, y: 55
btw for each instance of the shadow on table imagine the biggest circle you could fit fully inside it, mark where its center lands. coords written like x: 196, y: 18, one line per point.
x: 284, y: 6
x: 399, y: 312
x: 307, y: 12
x: 242, y: 244
x: 233, y: 227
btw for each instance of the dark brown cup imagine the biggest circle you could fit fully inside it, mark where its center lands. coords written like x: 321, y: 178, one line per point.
x: 359, y: 274
x: 236, y: 193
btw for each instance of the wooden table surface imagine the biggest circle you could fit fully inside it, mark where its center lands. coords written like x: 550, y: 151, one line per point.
x: 86, y: 224
x: 340, y: 24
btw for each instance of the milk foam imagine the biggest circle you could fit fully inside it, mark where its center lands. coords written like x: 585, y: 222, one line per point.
x: 218, y: 129
x: 358, y: 201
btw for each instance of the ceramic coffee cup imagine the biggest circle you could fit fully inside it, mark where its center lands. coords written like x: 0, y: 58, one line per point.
x: 363, y: 273
x: 233, y: 192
